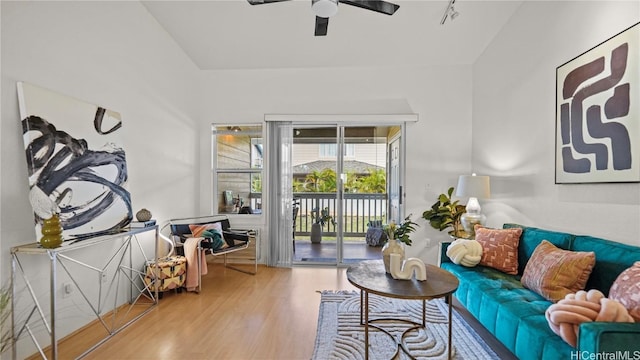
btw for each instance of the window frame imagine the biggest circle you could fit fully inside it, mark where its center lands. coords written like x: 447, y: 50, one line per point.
x: 218, y: 129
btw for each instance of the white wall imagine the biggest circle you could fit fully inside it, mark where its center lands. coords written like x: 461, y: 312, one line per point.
x: 116, y: 55
x: 438, y: 144
x: 514, y: 121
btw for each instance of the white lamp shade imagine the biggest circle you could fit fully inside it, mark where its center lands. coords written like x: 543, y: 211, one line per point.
x: 324, y: 8
x: 473, y: 186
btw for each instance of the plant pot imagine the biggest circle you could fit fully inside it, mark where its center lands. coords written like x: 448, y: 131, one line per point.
x: 316, y: 233
x: 461, y: 234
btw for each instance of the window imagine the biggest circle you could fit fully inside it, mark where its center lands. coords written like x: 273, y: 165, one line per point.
x: 237, y: 169
x: 329, y: 150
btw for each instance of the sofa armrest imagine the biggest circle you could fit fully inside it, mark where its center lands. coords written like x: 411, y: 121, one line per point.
x: 442, y: 254
x: 609, y: 337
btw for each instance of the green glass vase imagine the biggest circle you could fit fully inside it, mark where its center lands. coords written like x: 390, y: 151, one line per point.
x: 52, y: 232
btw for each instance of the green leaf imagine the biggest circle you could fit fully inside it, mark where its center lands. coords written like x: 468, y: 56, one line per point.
x: 450, y: 192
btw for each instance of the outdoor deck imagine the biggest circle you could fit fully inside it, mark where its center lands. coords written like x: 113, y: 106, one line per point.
x: 325, y: 252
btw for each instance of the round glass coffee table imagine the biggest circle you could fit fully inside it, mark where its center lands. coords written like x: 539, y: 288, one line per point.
x: 370, y: 277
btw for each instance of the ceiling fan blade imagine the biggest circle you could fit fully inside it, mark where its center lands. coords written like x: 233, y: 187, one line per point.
x: 380, y: 6
x: 321, y: 26
x: 260, y: 2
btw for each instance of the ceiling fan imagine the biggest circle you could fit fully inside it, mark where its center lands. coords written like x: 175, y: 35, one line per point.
x: 324, y: 9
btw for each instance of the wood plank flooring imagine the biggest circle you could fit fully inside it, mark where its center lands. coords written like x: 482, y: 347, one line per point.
x: 272, y: 315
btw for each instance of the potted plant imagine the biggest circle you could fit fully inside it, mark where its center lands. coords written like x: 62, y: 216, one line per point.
x: 401, y: 232
x: 320, y: 217
x: 445, y: 214
x: 396, y: 234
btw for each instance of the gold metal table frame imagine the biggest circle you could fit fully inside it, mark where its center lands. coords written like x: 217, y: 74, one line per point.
x: 370, y: 277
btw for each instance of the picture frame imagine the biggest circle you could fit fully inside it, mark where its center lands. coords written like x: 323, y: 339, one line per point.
x: 598, y: 113
x: 75, y: 162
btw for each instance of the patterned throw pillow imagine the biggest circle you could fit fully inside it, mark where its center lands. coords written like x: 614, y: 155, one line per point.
x: 626, y: 290
x: 499, y: 248
x: 215, y: 236
x: 212, y: 231
x: 553, y: 272
x: 198, y: 229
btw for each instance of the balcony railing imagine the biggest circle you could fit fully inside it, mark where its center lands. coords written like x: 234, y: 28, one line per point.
x: 358, y: 210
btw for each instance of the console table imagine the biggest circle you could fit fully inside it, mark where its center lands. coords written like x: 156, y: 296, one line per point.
x: 112, y: 307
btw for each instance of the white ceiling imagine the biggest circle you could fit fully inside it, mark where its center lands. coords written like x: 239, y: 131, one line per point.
x: 232, y: 34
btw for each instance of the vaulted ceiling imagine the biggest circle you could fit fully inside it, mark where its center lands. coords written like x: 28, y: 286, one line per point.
x: 232, y: 34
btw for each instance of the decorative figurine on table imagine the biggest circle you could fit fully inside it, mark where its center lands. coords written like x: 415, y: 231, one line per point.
x: 405, y: 271
x: 48, y: 211
x: 143, y: 215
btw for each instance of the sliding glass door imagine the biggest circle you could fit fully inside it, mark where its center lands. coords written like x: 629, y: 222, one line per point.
x: 340, y: 188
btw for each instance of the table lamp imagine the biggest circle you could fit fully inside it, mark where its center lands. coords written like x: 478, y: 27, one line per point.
x: 473, y: 187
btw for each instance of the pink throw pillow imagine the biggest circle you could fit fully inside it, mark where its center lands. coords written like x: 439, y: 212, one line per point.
x: 499, y: 248
x: 626, y: 290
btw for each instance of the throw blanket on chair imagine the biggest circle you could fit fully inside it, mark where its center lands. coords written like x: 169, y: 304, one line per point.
x: 191, y: 254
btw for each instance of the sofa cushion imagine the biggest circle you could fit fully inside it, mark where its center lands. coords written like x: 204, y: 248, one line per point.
x: 553, y: 272
x: 499, y: 248
x: 530, y: 239
x: 612, y: 258
x: 535, y: 340
x: 626, y: 290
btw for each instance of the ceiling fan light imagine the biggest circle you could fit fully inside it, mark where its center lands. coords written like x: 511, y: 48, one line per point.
x: 324, y: 8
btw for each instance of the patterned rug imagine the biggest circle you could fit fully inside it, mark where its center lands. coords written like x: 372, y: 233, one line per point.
x: 340, y: 335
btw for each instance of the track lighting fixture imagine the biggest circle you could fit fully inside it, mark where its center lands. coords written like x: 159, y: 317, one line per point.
x: 450, y: 12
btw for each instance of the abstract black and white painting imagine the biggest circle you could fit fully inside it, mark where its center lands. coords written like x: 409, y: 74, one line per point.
x: 598, y: 113
x: 75, y: 161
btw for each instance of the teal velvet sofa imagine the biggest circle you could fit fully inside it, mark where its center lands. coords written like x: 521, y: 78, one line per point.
x: 515, y: 314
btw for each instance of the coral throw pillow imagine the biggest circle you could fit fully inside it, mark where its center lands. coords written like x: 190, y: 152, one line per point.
x: 553, y: 272
x: 626, y: 290
x: 499, y: 248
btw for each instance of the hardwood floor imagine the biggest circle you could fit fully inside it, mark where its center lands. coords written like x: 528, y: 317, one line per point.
x: 272, y: 315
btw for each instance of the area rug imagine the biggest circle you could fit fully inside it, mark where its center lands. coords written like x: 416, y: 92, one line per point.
x: 340, y: 335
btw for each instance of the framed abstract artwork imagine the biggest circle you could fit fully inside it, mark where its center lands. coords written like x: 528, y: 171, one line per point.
x: 75, y: 162
x: 598, y: 113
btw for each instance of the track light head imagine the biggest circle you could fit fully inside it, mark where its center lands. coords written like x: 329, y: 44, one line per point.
x: 453, y: 14
x: 450, y: 12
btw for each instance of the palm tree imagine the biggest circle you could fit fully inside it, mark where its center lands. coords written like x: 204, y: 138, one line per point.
x: 312, y: 181
x: 328, y: 181
x: 375, y: 182
x: 353, y: 182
